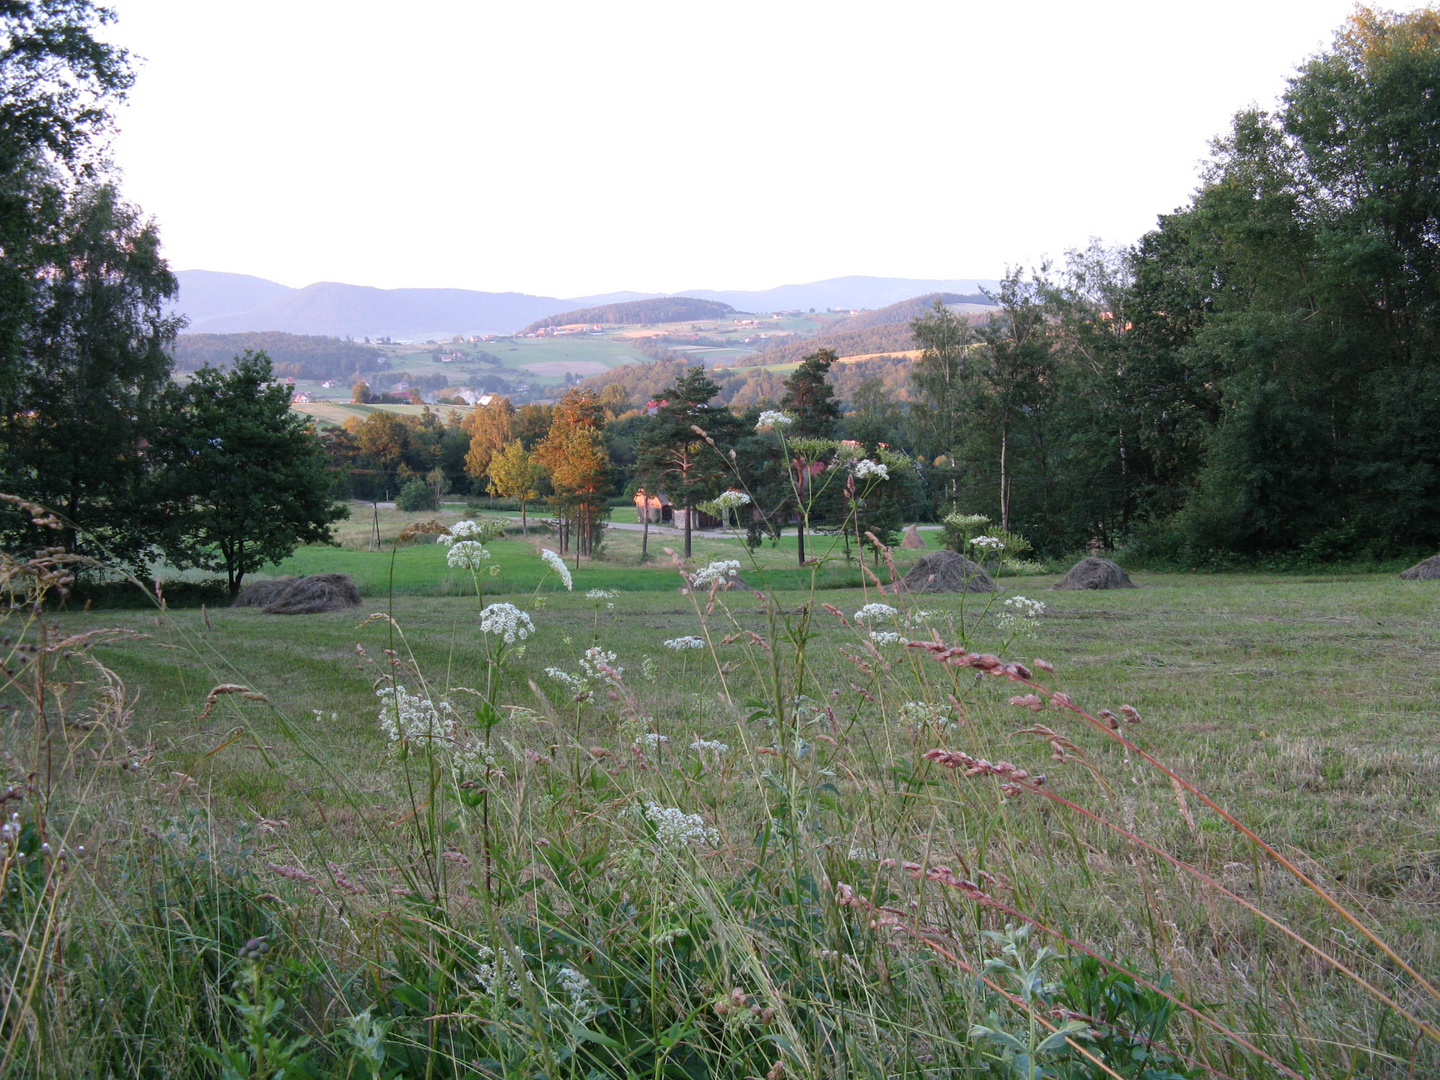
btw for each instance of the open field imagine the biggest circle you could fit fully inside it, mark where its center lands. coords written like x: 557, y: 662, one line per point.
x: 387, y: 881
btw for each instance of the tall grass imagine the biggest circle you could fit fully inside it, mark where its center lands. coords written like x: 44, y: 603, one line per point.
x: 848, y: 841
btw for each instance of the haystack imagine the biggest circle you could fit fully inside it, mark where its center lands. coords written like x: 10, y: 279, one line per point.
x: 945, y: 571
x: 261, y: 593
x: 301, y: 596
x: 1093, y: 573
x: 912, y: 539
x: 1428, y: 570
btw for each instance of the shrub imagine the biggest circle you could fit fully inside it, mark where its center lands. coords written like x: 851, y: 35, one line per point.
x: 416, y: 495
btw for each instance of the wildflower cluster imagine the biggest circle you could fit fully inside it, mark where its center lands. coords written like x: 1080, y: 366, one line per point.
x: 601, y: 594
x: 709, y: 746
x: 575, y: 684
x: 888, y: 637
x: 772, y: 419
x: 415, y: 720
x: 966, y: 522
x: 1019, y: 615
x: 599, y: 664
x: 496, y: 973
x: 508, y: 621
x: 1026, y: 608
x: 410, y: 718
x: 466, y: 530
x: 988, y: 543
x: 467, y: 555
x: 676, y: 829
x: 865, y: 469
x: 680, y: 644
x: 925, y: 714
x: 728, y: 500
x: 717, y: 573
x: 557, y: 564
x: 871, y: 612
x: 651, y: 741
x: 579, y: 990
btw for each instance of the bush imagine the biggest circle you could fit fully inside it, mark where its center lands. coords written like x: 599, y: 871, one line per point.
x: 415, y: 495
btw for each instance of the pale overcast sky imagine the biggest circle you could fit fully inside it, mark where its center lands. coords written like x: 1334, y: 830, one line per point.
x: 565, y: 148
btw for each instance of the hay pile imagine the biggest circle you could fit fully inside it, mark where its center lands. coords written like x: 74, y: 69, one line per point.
x: 912, y: 538
x: 1093, y: 573
x: 301, y: 596
x: 261, y: 593
x: 945, y: 571
x: 1428, y: 570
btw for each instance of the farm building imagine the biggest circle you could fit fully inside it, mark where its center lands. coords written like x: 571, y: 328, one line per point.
x: 656, y: 509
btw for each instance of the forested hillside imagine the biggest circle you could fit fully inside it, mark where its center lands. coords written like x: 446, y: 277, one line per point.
x: 300, y: 355
x: 661, y: 309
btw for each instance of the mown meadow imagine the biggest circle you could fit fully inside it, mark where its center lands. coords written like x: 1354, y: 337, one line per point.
x: 772, y: 831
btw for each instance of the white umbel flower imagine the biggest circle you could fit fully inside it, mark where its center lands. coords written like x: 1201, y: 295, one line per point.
x: 680, y: 644
x: 715, y: 574
x: 865, y: 469
x: 407, y: 717
x: 467, y: 555
x: 871, y: 612
x: 772, y: 419
x: 676, y: 829
x: 599, y: 665
x: 1025, y: 607
x: 557, y: 564
x: 988, y: 543
x: 508, y: 621
x: 729, y: 500
x: 887, y: 637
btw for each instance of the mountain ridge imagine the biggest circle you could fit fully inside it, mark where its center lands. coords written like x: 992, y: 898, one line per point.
x: 217, y: 302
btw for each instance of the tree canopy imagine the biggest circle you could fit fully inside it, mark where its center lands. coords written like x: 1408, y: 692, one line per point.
x: 246, y: 481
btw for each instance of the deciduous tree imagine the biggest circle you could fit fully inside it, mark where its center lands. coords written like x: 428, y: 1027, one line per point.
x: 573, y: 454
x: 515, y: 474
x: 92, y: 361
x: 245, y: 476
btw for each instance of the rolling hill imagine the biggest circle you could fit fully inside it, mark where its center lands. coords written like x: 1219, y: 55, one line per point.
x: 219, y: 303
x: 886, y: 331
x: 664, y: 309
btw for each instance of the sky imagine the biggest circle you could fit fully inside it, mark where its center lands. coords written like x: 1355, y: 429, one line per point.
x: 569, y: 148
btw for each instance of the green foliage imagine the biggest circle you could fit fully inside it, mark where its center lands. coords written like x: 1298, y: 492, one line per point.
x: 415, y: 495
x: 90, y: 365
x: 683, y: 450
x: 245, y: 476
x: 809, y: 399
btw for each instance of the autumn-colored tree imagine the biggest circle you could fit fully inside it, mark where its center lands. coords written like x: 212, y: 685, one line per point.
x: 489, y: 426
x: 515, y: 474
x: 574, y: 455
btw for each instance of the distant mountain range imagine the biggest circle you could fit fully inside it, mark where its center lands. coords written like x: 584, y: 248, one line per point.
x: 221, y: 303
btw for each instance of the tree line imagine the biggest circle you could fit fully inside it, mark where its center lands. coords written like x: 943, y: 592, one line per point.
x: 215, y: 474
x: 1257, y: 375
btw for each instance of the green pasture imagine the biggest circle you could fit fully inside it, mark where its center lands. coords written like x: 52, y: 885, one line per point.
x: 1305, y: 705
